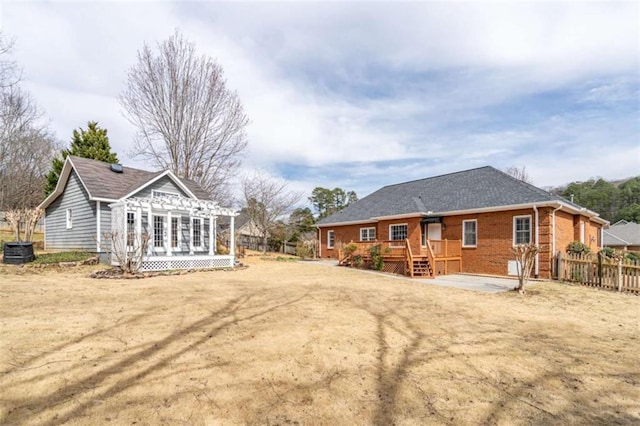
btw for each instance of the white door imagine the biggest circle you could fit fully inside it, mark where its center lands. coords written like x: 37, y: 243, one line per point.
x: 434, y: 231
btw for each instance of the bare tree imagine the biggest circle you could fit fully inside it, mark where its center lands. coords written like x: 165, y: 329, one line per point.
x: 188, y: 121
x: 9, y: 72
x: 23, y: 217
x: 267, y: 200
x: 26, y: 145
x: 525, y: 260
x: 518, y: 173
x: 127, y: 249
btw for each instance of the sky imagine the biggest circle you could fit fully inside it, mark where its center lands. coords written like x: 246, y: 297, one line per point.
x: 359, y: 95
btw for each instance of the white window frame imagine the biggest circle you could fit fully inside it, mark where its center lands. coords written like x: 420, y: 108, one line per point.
x: 127, y: 236
x: 153, y: 232
x: 69, y: 218
x: 406, y: 225
x: 515, y: 219
x: 331, y: 239
x: 179, y: 228
x: 193, y: 234
x: 368, y: 233
x: 158, y: 193
x: 464, y: 233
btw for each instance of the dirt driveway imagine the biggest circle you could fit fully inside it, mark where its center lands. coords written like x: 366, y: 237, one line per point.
x: 292, y: 343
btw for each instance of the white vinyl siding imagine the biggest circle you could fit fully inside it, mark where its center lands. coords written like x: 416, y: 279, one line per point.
x: 367, y: 234
x: 521, y: 230
x: 398, y: 232
x: 330, y: 239
x: 469, y: 233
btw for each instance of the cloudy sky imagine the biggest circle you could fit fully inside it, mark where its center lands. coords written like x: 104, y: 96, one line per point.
x: 360, y: 95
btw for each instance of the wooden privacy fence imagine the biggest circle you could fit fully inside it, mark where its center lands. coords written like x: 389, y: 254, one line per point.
x: 598, y: 271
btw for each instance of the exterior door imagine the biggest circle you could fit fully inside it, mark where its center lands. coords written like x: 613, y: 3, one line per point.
x: 434, y: 231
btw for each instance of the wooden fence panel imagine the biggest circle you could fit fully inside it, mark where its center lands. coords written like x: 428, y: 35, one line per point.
x: 591, y: 270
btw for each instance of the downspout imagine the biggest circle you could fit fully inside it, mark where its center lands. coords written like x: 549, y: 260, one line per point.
x: 537, y: 266
x: 319, y: 243
x: 553, y: 229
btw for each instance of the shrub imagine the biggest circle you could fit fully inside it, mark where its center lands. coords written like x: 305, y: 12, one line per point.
x: 607, y: 252
x: 349, y: 249
x: 576, y: 247
x: 377, y: 262
x: 65, y: 256
x: 358, y: 261
x: 1, y: 246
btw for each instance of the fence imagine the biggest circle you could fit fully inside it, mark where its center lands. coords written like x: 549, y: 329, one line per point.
x: 598, y: 271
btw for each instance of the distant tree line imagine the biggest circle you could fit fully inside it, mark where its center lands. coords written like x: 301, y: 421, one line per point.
x: 614, y: 200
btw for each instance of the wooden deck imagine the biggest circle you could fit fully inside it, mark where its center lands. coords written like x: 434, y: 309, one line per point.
x: 439, y: 257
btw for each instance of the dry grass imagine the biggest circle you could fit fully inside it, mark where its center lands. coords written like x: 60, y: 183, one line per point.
x: 293, y: 343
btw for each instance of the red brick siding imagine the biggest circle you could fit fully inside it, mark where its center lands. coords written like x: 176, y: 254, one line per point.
x: 494, y: 237
x: 495, y: 240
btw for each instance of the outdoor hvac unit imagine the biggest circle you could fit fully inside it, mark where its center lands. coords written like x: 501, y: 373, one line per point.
x: 18, y: 253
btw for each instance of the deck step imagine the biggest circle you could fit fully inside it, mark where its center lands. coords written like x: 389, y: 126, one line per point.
x: 422, y: 268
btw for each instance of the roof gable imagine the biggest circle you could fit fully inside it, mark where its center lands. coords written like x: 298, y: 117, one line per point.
x: 103, y: 184
x: 475, y: 189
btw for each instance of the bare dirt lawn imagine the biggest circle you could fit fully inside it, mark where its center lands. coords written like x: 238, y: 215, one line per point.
x: 304, y: 343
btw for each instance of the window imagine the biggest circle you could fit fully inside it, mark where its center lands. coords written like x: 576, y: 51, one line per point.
x: 69, y: 219
x: 330, y: 239
x: 175, y: 233
x: 367, y: 234
x: 469, y: 233
x: 131, y: 229
x: 158, y: 231
x: 521, y: 230
x: 155, y: 193
x: 398, y: 232
x: 197, y: 232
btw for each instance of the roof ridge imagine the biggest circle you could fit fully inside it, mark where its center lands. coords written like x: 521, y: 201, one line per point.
x: 438, y: 176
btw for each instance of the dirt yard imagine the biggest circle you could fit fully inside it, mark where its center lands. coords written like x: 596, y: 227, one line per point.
x: 303, y: 343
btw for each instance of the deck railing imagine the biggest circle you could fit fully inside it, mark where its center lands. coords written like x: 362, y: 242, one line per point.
x: 443, y: 248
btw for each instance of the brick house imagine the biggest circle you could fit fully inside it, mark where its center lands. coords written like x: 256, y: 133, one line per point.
x: 466, y: 221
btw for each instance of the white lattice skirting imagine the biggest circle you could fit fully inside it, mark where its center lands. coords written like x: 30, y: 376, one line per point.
x: 186, y: 262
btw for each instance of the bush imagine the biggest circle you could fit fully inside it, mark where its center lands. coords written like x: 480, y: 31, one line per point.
x: 349, y: 249
x: 608, y: 252
x: 576, y: 247
x: 377, y: 262
x: 65, y: 256
x: 1, y: 246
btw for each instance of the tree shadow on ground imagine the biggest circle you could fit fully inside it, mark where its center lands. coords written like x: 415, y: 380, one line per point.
x: 153, y: 357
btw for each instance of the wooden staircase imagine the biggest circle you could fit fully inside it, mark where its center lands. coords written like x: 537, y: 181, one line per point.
x: 422, y: 267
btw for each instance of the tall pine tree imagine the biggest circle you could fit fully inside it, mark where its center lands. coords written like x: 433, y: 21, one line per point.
x: 92, y: 143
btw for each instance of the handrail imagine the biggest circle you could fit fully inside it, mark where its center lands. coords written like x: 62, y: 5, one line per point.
x: 431, y: 258
x: 409, y: 258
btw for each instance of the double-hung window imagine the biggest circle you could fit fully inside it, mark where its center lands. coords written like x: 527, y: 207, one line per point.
x: 158, y: 232
x: 521, y: 230
x: 367, y: 234
x: 131, y: 229
x: 175, y: 233
x: 398, y: 232
x: 197, y: 232
x: 69, y: 219
x: 469, y: 233
x: 330, y: 239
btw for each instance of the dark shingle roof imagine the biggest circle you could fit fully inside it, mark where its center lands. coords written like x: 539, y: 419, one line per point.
x: 622, y: 234
x: 484, y: 187
x: 101, y: 182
